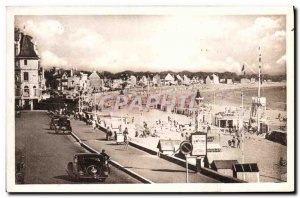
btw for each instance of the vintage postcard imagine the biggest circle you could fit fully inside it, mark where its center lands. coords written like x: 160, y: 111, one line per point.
x: 150, y: 99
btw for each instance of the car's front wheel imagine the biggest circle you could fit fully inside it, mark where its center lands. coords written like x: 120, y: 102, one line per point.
x: 102, y: 179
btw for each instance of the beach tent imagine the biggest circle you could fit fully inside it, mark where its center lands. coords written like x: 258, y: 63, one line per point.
x: 186, y: 80
x: 168, y: 147
x: 247, y: 172
x: 224, y: 166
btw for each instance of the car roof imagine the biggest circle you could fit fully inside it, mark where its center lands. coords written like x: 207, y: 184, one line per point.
x: 88, y: 154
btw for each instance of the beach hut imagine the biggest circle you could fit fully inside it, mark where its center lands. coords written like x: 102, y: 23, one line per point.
x: 213, y: 79
x: 201, y: 81
x: 179, y: 79
x: 278, y: 136
x: 168, y: 147
x: 226, y: 121
x: 246, y: 172
x: 229, y: 81
x: 186, y: 80
x: 144, y: 80
x: 156, y: 80
x: 169, y: 79
x: 224, y: 166
x: 245, y: 81
x: 133, y: 80
x: 222, y: 80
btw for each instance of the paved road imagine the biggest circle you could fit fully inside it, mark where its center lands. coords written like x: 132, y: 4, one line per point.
x: 47, y: 154
x: 149, y: 166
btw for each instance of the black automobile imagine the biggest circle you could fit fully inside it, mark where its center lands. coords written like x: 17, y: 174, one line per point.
x: 88, y: 166
x: 63, y: 125
x: 54, y: 122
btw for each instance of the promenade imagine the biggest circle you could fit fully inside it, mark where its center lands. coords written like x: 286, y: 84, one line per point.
x: 149, y: 166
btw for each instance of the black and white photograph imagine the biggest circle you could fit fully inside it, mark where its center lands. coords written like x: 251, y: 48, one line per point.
x: 150, y: 99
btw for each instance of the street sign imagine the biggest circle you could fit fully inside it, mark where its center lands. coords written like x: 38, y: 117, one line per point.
x: 199, y: 144
x: 186, y: 147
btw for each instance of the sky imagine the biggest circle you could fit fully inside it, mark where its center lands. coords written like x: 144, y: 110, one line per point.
x: 159, y: 43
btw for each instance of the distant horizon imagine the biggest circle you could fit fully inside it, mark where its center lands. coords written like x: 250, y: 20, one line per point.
x: 166, y: 71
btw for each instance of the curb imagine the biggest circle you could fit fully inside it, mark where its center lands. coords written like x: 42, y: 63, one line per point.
x: 114, y: 163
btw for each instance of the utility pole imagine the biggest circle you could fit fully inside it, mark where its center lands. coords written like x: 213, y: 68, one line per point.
x: 214, y: 97
x: 243, y: 131
x: 258, y: 91
x: 198, y: 99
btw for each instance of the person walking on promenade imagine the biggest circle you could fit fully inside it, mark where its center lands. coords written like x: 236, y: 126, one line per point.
x: 238, y: 145
x: 108, y: 134
x: 229, y: 143
x: 126, y: 139
x: 94, y: 125
x: 233, y: 142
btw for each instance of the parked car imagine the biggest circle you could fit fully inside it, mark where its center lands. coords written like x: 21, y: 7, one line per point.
x: 88, y: 166
x: 63, y: 125
x: 54, y: 122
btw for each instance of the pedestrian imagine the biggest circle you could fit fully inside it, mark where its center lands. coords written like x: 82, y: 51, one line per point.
x: 233, y: 142
x: 94, y: 125
x: 187, y: 136
x: 108, y: 133
x: 125, y: 131
x: 115, y: 135
x: 126, y: 141
x: 208, y: 129
x: 238, y: 143
x: 229, y: 143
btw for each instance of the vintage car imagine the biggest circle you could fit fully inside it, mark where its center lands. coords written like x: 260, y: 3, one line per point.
x: 88, y: 166
x: 54, y: 122
x: 63, y: 125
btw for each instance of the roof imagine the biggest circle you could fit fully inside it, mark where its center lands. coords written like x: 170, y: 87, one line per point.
x: 168, y: 145
x: 27, y: 48
x: 94, y: 75
x: 179, y: 77
x: 224, y: 164
x: 156, y: 76
x: 209, y: 77
x: 251, y: 167
x: 186, y: 78
x: 87, y: 154
x: 169, y: 77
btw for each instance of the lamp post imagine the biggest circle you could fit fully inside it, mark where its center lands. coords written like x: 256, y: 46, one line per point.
x: 80, y: 92
x: 198, y: 100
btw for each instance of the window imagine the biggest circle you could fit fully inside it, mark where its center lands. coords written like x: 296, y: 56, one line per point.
x: 26, y: 77
x: 35, y: 90
x: 25, y: 62
x: 26, y: 91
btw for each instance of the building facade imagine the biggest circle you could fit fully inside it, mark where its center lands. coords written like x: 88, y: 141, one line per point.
x: 29, y: 75
x: 96, y: 82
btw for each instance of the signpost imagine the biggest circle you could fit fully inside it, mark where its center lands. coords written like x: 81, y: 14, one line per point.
x: 186, y: 148
x: 199, y: 143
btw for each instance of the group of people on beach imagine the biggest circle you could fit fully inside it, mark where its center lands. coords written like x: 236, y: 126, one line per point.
x: 235, y: 142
